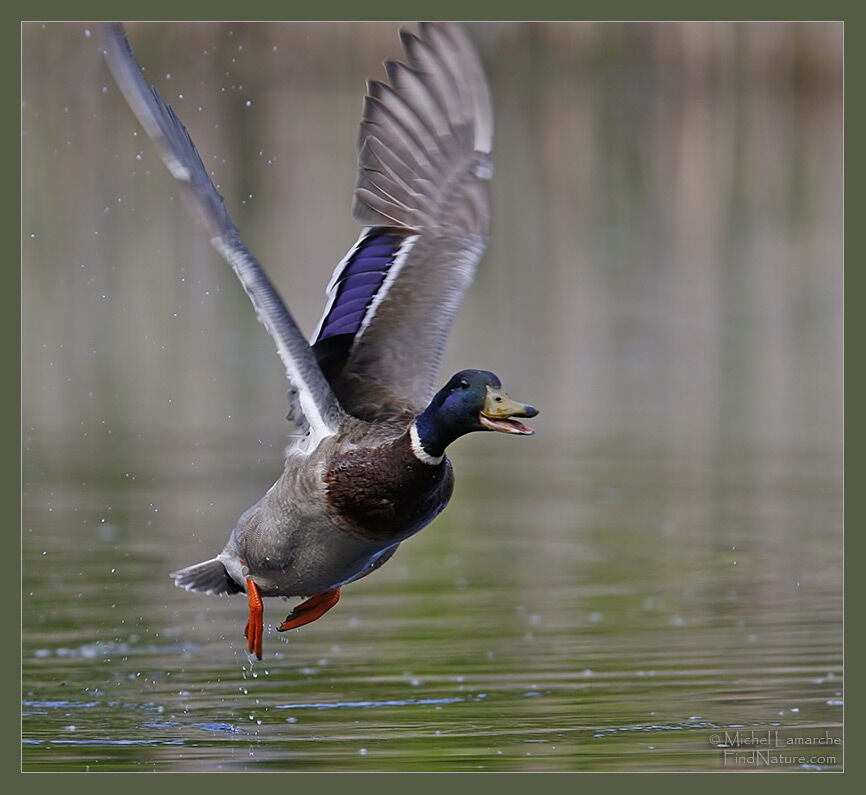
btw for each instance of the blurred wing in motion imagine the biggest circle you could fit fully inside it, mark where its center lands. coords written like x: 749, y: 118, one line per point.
x: 422, y: 195
x: 314, y: 407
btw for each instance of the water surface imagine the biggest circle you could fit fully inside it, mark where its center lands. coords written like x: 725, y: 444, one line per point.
x: 594, y: 608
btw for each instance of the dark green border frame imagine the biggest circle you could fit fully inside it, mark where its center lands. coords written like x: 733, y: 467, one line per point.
x: 10, y: 325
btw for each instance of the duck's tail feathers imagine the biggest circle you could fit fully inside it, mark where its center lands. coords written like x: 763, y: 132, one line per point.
x: 208, y: 577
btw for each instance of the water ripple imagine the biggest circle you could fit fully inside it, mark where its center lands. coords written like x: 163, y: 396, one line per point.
x: 408, y: 702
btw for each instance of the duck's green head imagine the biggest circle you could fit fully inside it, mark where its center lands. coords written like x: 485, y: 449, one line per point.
x: 472, y: 400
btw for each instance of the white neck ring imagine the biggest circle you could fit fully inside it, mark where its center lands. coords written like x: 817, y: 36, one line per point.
x: 418, y: 449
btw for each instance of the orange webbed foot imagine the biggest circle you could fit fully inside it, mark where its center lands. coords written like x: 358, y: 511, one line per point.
x: 255, y: 623
x: 306, y: 612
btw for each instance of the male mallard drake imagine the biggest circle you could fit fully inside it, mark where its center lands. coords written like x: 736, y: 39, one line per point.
x: 369, y: 467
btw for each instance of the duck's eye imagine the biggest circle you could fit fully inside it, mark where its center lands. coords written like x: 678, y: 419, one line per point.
x: 464, y: 384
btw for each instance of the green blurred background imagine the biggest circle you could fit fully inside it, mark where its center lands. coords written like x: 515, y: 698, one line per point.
x: 666, y: 255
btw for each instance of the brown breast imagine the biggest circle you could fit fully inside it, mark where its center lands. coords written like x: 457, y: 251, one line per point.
x: 387, y: 494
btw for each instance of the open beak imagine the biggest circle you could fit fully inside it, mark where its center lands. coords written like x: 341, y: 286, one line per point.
x: 500, y: 410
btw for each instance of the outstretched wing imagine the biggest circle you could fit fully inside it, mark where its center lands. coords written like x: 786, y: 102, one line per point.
x: 422, y: 195
x: 314, y: 407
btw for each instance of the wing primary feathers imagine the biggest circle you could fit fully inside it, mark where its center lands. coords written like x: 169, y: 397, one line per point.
x: 424, y: 167
x: 315, y: 408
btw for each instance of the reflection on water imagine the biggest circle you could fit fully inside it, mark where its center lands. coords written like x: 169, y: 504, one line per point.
x: 660, y: 564
x: 593, y: 608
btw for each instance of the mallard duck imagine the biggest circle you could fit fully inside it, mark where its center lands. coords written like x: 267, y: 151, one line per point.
x: 368, y: 467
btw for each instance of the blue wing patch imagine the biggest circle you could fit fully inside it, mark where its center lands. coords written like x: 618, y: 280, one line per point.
x: 357, y: 281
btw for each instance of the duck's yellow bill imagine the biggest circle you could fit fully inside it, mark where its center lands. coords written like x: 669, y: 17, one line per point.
x: 499, y: 411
